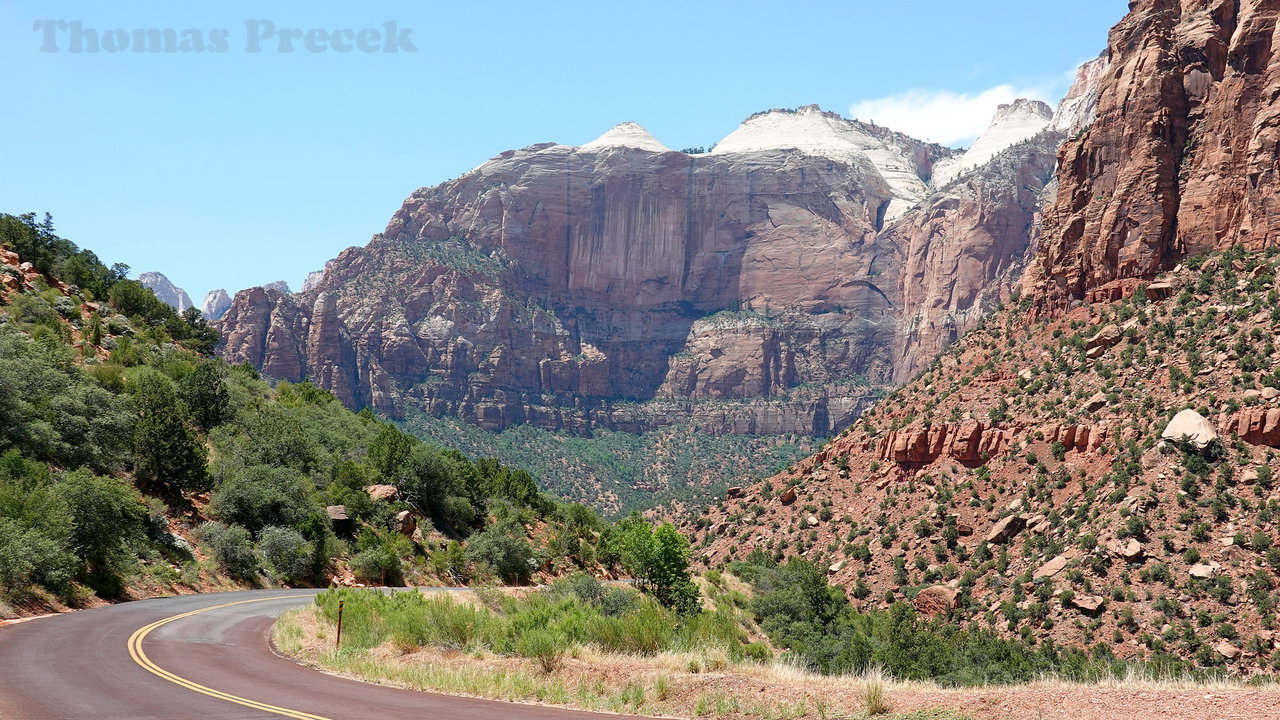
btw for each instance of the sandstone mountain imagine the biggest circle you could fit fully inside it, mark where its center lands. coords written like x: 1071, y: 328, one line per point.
x: 770, y: 286
x: 215, y: 304
x: 165, y: 291
x: 1182, y: 157
x: 1095, y: 462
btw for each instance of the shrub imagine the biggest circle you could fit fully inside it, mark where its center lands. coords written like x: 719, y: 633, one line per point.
x: 546, y: 647
x: 378, y: 559
x: 262, y: 496
x: 107, y: 522
x: 231, y: 547
x: 287, y: 553
x: 503, y: 550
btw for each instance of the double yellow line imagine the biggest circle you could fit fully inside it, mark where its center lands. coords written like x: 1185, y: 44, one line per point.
x: 140, y: 657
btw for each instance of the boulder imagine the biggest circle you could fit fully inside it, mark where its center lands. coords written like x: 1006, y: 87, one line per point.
x: 1192, y: 427
x: 1051, y: 568
x: 1106, y: 337
x: 787, y: 496
x: 1088, y: 604
x: 404, y: 523
x: 836, y: 567
x: 384, y: 493
x: 735, y: 492
x: 1270, y: 393
x: 937, y: 600
x: 1205, y: 571
x: 1006, y: 528
x: 1129, y: 550
x: 1096, y: 403
x: 1158, y: 291
x: 1227, y: 649
x: 812, y: 521
x: 338, y: 518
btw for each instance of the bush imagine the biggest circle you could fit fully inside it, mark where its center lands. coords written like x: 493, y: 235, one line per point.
x: 287, y: 553
x: 28, y: 556
x: 544, y: 646
x: 645, y: 631
x: 262, y: 496
x: 378, y: 559
x: 231, y: 547
x: 108, y: 520
x: 504, y: 551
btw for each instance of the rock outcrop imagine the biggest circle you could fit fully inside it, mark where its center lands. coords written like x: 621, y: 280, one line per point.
x: 1182, y: 156
x: 1078, y: 109
x: 168, y: 293
x: 757, y: 289
x: 964, y: 249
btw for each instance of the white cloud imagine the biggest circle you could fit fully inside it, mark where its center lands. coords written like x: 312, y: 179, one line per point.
x: 941, y: 116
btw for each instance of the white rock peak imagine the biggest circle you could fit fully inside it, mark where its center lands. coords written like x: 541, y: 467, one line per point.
x: 814, y: 131
x: 627, y: 135
x: 1013, y: 123
x: 215, y: 304
x: 165, y: 290
x: 1077, y: 109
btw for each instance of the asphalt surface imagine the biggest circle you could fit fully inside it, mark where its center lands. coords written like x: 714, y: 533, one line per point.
x: 213, y: 664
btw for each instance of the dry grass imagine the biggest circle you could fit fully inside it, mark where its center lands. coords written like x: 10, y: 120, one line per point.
x: 690, y: 684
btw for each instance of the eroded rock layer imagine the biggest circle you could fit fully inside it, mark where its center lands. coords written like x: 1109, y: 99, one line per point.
x: 624, y: 286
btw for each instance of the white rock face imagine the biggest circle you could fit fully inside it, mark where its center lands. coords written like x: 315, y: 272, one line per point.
x: 1191, y: 425
x: 279, y: 286
x: 1077, y: 109
x: 1017, y: 121
x: 215, y: 304
x: 626, y: 135
x: 312, y: 280
x: 815, y: 132
x: 167, y: 292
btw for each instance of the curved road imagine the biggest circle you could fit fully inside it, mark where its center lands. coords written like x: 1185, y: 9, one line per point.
x: 150, y: 660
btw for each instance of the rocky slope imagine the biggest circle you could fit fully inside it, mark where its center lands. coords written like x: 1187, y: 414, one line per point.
x: 168, y: 293
x: 1035, y: 478
x: 768, y: 287
x: 1095, y: 463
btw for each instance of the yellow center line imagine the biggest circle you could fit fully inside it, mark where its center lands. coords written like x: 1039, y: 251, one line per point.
x: 140, y: 657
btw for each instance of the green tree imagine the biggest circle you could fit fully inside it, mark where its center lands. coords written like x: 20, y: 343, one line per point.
x: 197, y: 333
x: 390, y: 451
x: 658, y: 560
x: 204, y: 390
x: 108, y: 520
x: 504, y: 550
x: 170, y: 456
x: 262, y: 496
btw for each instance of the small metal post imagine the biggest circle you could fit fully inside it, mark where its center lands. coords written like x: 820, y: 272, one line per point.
x: 338, y: 644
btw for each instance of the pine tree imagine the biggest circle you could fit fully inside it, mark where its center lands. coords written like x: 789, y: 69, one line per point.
x: 205, y: 393
x: 169, y: 455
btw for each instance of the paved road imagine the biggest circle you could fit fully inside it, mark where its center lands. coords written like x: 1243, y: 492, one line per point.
x: 123, y: 662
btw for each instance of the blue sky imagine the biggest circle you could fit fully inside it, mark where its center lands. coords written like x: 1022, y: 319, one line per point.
x: 234, y: 169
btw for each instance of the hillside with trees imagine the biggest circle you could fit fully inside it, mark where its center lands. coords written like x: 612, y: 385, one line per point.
x: 132, y: 462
